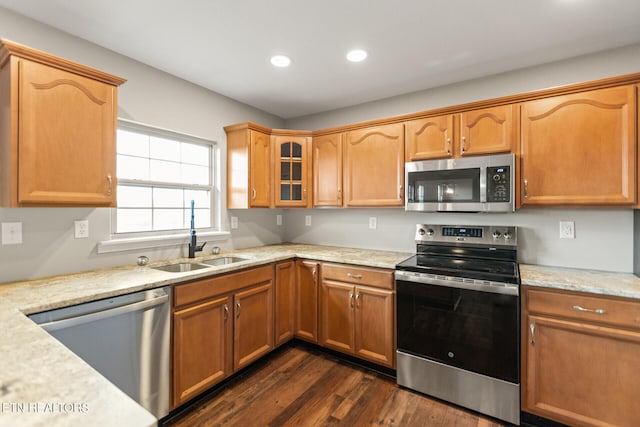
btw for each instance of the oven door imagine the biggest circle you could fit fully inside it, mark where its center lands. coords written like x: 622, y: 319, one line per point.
x: 475, y: 330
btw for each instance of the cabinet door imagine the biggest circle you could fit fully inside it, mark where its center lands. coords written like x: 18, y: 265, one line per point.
x: 327, y: 170
x: 336, y: 316
x: 260, y: 169
x: 253, y: 327
x: 307, y: 300
x: 486, y: 131
x: 285, y: 313
x: 201, y: 348
x: 66, y: 134
x: 430, y: 138
x: 374, y: 166
x: 292, y: 171
x: 579, y: 149
x: 375, y: 325
x: 580, y: 374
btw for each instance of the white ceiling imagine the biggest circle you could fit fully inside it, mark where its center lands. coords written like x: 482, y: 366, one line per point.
x: 225, y: 45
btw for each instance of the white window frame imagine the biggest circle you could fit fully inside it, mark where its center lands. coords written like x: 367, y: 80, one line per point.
x: 159, y: 238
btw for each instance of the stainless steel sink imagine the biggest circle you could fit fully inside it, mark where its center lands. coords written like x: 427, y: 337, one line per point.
x: 223, y: 260
x: 181, y: 267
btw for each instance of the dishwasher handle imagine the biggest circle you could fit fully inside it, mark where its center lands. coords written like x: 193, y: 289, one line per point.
x: 104, y: 314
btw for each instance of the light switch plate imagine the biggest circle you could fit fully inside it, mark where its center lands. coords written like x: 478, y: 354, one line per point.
x: 11, y: 233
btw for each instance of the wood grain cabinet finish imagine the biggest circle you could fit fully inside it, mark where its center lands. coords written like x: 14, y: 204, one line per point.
x: 285, y: 302
x: 327, y: 170
x: 580, y: 358
x: 292, y: 164
x: 57, y: 131
x: 307, y: 276
x: 249, y: 166
x: 358, y: 319
x: 374, y: 166
x: 483, y: 131
x: 220, y: 325
x: 580, y: 149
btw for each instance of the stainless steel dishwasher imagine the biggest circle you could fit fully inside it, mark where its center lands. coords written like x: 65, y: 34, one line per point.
x: 125, y: 338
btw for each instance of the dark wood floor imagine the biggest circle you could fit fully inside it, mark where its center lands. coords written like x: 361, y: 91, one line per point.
x: 301, y: 386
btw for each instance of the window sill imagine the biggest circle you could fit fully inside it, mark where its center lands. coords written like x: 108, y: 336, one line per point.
x: 128, y: 244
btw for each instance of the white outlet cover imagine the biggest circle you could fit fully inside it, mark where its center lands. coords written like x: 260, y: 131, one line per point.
x: 11, y: 233
x: 81, y: 229
x: 307, y: 220
x: 234, y: 222
x: 278, y: 219
x: 373, y: 222
x: 567, y: 230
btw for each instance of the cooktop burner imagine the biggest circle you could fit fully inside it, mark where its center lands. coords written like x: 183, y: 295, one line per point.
x: 475, y: 252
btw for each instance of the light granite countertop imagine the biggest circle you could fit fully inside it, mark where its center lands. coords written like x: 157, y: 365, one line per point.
x: 42, y: 383
x: 592, y: 281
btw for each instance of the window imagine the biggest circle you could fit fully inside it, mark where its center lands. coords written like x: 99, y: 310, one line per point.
x: 159, y: 174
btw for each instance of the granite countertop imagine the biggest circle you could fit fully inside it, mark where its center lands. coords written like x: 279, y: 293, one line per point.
x: 592, y: 281
x: 44, y: 383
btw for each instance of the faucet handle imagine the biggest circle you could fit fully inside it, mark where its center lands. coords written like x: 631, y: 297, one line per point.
x: 200, y: 247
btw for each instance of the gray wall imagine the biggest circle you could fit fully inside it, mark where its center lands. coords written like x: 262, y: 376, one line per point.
x: 151, y: 97
x: 604, y: 238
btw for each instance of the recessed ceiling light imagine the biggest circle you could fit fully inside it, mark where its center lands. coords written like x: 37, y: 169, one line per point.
x: 280, y: 61
x: 357, y: 55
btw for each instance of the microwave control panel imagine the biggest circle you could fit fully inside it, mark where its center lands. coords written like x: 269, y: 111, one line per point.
x: 498, y: 184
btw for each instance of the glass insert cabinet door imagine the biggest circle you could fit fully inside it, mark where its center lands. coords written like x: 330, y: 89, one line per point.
x: 292, y: 166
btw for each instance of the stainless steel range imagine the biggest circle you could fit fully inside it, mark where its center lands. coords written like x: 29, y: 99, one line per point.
x: 458, y: 318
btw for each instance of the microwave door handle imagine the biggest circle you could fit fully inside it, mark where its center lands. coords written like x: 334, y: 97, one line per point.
x: 483, y: 184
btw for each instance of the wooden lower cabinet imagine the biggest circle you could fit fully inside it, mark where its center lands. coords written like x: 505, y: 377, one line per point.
x: 220, y: 325
x: 354, y: 319
x: 580, y: 367
x: 202, y: 347
x: 306, y: 306
x: 285, y: 307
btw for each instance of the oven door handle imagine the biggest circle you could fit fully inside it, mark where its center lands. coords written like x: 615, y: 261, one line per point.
x: 491, y: 287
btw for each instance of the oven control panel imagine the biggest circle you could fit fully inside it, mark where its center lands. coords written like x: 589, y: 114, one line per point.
x: 480, y: 234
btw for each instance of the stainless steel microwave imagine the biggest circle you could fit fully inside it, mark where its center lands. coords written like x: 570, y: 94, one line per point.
x: 470, y: 184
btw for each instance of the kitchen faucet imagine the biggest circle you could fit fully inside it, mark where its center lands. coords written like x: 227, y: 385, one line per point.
x: 193, y: 241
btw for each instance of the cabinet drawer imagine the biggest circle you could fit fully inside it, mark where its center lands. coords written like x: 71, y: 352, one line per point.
x: 190, y: 293
x: 582, y: 307
x: 358, y: 275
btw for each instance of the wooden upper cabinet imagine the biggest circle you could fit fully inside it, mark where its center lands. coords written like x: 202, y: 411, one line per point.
x: 430, y: 138
x: 249, y: 166
x: 374, y: 166
x: 580, y: 149
x: 483, y: 131
x: 292, y: 184
x: 327, y: 170
x: 58, y: 131
x: 487, y: 131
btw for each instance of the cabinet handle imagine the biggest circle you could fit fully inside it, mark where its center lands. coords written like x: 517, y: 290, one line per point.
x: 237, y: 308
x: 464, y: 144
x: 401, y: 194
x: 590, y: 310
x: 357, y: 299
x: 313, y: 274
x: 304, y: 194
x: 354, y: 276
x: 351, y: 299
x: 226, y: 312
x: 339, y: 193
x: 254, y: 194
x: 110, y: 189
x: 449, y: 147
x: 532, y: 328
x: 526, y: 189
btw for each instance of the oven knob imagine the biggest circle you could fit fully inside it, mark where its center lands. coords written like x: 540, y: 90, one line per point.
x: 450, y: 354
x: 430, y: 232
x: 496, y: 234
x: 421, y: 231
x: 507, y: 234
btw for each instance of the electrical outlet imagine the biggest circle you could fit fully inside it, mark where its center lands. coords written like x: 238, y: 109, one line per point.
x: 373, y: 222
x: 11, y: 233
x: 307, y: 220
x: 567, y: 230
x: 278, y: 219
x: 82, y: 229
x: 234, y: 222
